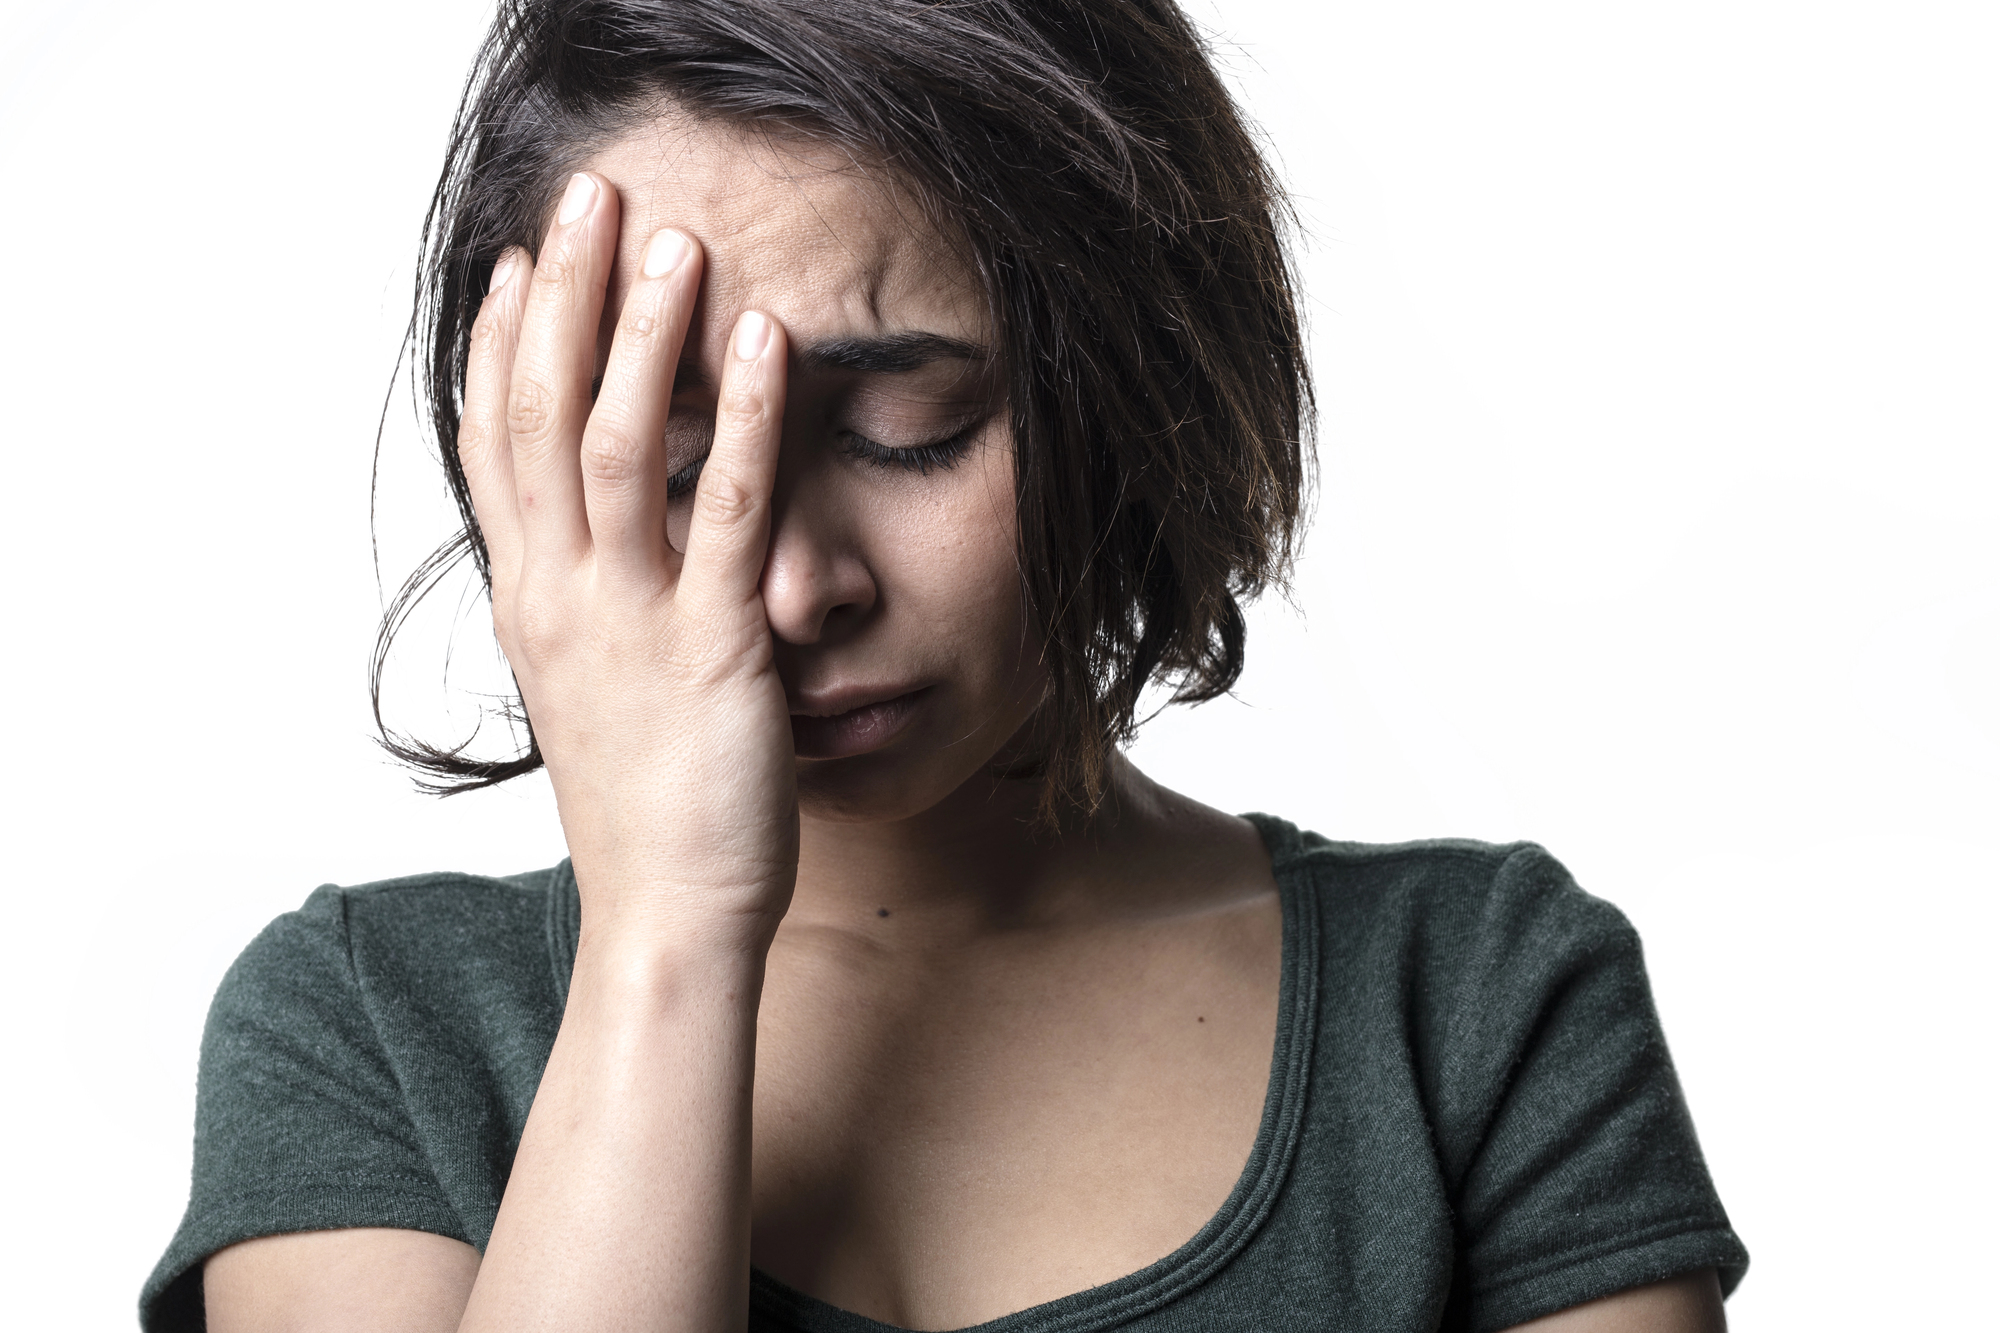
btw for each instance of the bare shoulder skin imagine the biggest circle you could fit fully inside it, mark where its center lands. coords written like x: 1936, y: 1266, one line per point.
x: 835, y: 1010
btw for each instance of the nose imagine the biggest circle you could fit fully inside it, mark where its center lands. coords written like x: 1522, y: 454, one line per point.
x: 817, y: 587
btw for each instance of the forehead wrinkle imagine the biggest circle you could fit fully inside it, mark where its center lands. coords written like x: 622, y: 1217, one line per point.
x: 872, y: 247
x: 865, y: 255
x: 836, y: 257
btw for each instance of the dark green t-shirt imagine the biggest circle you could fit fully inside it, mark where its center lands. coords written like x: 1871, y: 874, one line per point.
x: 1471, y: 1119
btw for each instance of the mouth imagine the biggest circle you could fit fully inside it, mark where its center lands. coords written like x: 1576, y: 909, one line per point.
x: 836, y: 728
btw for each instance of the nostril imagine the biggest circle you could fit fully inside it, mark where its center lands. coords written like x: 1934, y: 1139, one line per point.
x: 809, y: 599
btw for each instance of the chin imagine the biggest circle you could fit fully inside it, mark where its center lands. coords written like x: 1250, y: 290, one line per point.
x: 879, y: 788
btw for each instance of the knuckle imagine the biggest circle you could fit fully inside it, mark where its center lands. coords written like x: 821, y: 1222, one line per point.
x: 530, y: 410
x: 742, y: 412
x: 612, y: 458
x: 538, y: 623
x: 482, y: 445
x: 640, y: 326
x: 722, y: 499
x: 555, y: 267
x: 485, y: 334
x: 474, y: 440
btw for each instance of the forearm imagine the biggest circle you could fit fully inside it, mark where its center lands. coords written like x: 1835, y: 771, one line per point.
x: 628, y: 1204
x: 651, y: 677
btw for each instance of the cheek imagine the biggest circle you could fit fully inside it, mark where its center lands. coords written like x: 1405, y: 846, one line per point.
x: 965, y: 572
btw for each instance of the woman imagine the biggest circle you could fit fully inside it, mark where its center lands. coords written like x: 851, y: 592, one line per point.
x: 854, y: 407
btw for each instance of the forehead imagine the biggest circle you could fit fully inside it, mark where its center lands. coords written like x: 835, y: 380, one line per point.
x: 789, y: 227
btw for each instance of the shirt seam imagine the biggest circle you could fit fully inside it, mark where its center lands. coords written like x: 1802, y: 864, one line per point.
x: 437, y: 1193
x: 294, y: 1178
x: 1500, y: 855
x: 1541, y: 1268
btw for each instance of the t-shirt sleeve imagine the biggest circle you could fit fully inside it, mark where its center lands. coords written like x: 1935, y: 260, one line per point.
x: 299, y: 1120
x: 1577, y: 1169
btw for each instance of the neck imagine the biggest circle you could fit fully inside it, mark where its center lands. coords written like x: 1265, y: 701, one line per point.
x: 979, y: 860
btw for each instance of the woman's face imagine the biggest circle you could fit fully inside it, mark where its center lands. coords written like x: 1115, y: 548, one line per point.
x: 891, y: 585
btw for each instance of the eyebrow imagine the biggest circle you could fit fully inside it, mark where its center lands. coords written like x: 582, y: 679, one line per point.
x: 890, y: 354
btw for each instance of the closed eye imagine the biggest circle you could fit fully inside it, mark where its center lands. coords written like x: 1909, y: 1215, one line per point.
x: 683, y: 482
x: 918, y: 458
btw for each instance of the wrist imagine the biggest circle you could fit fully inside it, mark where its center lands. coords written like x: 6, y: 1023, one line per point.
x: 621, y: 977
x: 640, y: 935
x: 652, y: 902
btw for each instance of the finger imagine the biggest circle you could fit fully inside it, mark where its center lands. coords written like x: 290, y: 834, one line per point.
x: 624, y: 467
x: 549, y: 398
x: 484, y: 453
x: 731, y: 523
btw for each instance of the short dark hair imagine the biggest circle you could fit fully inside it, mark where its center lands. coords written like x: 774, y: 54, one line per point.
x: 1128, y: 234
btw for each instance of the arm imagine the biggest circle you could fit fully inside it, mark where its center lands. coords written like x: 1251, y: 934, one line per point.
x: 373, y: 1278
x: 1690, y: 1303
x: 652, y: 685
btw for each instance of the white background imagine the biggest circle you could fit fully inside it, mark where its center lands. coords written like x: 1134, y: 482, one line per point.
x: 1657, y: 348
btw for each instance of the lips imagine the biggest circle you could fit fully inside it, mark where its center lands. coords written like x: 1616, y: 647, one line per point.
x: 850, y: 722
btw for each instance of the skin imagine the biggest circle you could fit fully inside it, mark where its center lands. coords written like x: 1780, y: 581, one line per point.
x: 834, y: 1011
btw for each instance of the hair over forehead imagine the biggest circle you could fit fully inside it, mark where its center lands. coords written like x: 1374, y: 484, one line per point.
x: 1125, y: 231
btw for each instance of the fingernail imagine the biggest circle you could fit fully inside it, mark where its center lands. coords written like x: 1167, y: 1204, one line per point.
x: 752, y: 332
x: 664, y: 253
x: 576, y: 199
x: 503, y: 272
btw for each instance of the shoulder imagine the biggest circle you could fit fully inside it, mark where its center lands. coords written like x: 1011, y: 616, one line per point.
x: 437, y: 901
x: 362, y: 976
x: 368, y: 1062
x: 440, y: 922
x: 1446, y: 898
x: 1477, y: 1008
x: 374, y: 1019
x: 1476, y: 968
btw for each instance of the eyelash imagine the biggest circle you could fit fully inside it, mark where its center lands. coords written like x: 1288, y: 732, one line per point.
x: 682, y: 482
x: 920, y: 459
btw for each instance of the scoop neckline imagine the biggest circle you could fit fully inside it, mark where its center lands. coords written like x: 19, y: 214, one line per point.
x: 1241, y: 1215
